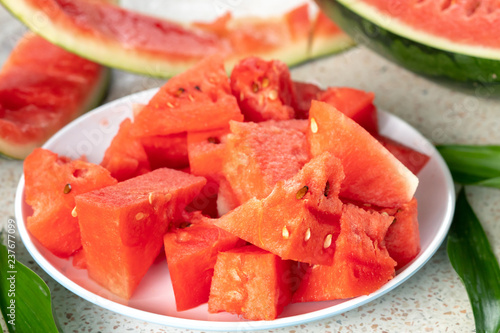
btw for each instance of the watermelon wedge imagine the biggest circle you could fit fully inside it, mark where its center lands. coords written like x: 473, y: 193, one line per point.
x: 42, y: 88
x: 128, y: 40
x: 372, y: 174
x: 451, y: 42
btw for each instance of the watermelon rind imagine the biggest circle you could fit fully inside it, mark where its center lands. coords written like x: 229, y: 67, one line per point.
x: 99, y: 92
x: 113, y: 54
x: 472, y: 69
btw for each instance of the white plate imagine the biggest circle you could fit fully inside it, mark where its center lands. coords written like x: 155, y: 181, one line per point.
x: 153, y: 301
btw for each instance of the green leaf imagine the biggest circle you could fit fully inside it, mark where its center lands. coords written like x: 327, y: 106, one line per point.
x: 24, y: 297
x: 473, y: 259
x: 473, y: 165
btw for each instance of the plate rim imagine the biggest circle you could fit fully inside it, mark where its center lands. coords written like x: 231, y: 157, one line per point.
x: 214, y: 325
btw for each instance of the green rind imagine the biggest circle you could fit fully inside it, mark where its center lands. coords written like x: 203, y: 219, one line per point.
x: 473, y: 259
x: 20, y: 151
x: 472, y: 74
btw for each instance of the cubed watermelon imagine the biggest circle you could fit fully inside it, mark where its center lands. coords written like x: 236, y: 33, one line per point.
x: 264, y: 89
x: 361, y: 263
x: 51, y: 184
x: 403, y: 237
x: 166, y: 151
x: 196, y: 100
x: 127, y: 221
x: 372, y: 174
x: 191, y: 254
x: 304, y: 94
x: 259, y: 156
x: 125, y: 157
x: 299, y: 220
x: 248, y: 281
x: 206, y: 150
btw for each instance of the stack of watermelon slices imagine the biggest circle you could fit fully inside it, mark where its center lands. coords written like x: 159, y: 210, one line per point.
x: 284, y: 192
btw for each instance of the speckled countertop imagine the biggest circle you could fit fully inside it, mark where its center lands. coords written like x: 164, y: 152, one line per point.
x: 433, y: 300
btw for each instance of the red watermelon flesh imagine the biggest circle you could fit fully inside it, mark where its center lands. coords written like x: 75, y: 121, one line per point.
x: 412, y: 159
x: 206, y: 200
x: 259, y: 156
x: 248, y: 281
x: 299, y: 220
x: 79, y: 260
x: 354, y: 103
x: 206, y: 152
x: 467, y: 22
x: 191, y: 254
x: 300, y: 125
x: 226, y: 199
x: 403, y: 237
x: 125, y: 157
x: 51, y: 184
x: 166, y: 151
x: 196, y: 100
x: 372, y: 174
x: 127, y: 222
x: 361, y: 263
x: 264, y: 89
x: 304, y: 94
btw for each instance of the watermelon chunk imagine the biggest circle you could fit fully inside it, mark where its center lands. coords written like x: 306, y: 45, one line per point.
x: 403, y: 237
x: 196, y: 100
x: 264, y: 89
x: 191, y: 254
x: 166, y: 151
x: 248, y: 281
x: 372, y: 174
x: 304, y: 94
x: 412, y: 159
x: 206, y: 152
x: 259, y: 156
x: 51, y: 184
x: 127, y: 222
x: 361, y: 263
x: 125, y: 157
x: 299, y: 220
x: 354, y: 103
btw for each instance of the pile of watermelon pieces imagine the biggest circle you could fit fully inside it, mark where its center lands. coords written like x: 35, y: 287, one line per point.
x: 262, y: 191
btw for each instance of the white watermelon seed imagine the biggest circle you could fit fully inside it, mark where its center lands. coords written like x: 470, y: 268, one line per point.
x: 307, y: 235
x: 285, y: 232
x: 73, y: 212
x: 314, y: 126
x: 328, y: 241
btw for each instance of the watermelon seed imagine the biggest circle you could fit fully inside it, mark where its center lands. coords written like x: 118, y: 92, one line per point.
x: 300, y: 193
x: 179, y: 92
x: 242, y: 96
x: 273, y: 94
x: 307, y: 236
x: 265, y: 82
x: 197, y: 88
x: 170, y: 105
x: 327, y: 189
x: 255, y: 87
x: 393, y: 221
x: 168, y: 196
x: 385, y: 214
x: 184, y: 225
x: 139, y: 216
x: 314, y: 126
x: 328, y: 241
x: 285, y: 232
x: 150, y: 198
x: 67, y: 188
x: 367, y: 205
x: 73, y: 212
x: 191, y: 98
x: 214, y: 140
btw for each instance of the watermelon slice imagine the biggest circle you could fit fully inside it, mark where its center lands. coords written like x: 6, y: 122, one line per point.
x: 412, y: 159
x: 42, y: 88
x: 372, y: 174
x: 361, y: 263
x: 299, y: 220
x: 326, y: 37
x: 452, y: 42
x: 197, y: 100
x: 166, y: 151
x: 149, y: 45
x: 257, y: 157
x: 248, y: 281
x: 191, y: 254
x: 304, y: 94
x: 264, y: 89
x: 206, y: 150
x: 127, y: 222
x: 51, y: 184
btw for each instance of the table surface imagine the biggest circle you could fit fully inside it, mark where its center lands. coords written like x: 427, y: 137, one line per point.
x: 433, y: 300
